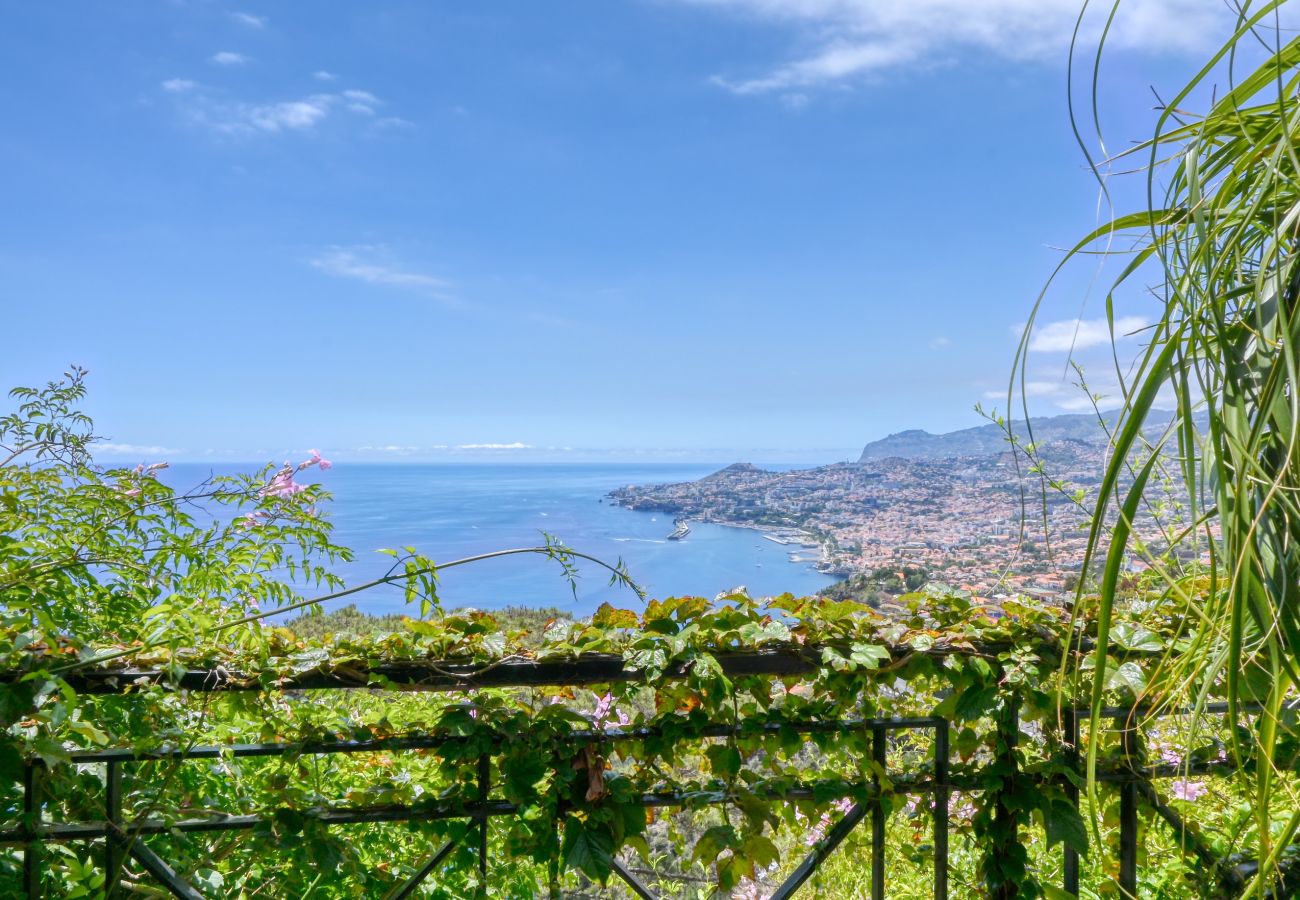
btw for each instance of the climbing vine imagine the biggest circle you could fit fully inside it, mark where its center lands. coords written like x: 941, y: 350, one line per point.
x: 116, y: 591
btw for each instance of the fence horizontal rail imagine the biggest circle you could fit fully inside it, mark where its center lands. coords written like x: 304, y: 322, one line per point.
x: 478, y: 810
x: 458, y: 674
x: 434, y: 741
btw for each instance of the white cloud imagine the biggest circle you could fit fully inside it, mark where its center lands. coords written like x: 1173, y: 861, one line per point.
x: 940, y: 342
x: 135, y: 450
x: 206, y: 108
x: 293, y: 115
x: 1061, y: 394
x: 514, y: 446
x: 362, y: 102
x: 322, y: 75
x: 228, y: 58
x: 1079, y: 334
x: 249, y: 20
x: 857, y: 38
x: 369, y: 263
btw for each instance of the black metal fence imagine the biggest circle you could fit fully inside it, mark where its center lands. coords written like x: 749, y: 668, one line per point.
x: 120, y: 838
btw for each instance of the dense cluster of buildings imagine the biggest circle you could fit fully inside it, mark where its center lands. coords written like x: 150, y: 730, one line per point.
x: 984, y: 523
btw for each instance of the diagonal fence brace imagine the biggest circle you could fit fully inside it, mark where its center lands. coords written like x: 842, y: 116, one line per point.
x: 402, y: 891
x: 632, y: 881
x: 823, y: 849
x: 156, y: 866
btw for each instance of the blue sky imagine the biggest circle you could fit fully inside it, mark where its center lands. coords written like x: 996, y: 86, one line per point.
x: 667, y: 228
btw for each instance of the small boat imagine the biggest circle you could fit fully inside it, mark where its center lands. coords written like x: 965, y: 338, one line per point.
x: 680, y: 532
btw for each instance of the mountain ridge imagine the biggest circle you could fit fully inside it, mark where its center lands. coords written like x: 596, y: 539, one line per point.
x: 990, y: 439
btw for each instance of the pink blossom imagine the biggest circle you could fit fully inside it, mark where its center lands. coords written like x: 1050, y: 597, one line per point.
x: 604, y: 709
x: 282, y: 484
x: 131, y: 492
x: 1189, y: 790
x: 251, y: 520
x: 818, y: 831
x: 844, y: 804
x: 318, y: 460
x: 961, y: 808
x: 1171, y: 756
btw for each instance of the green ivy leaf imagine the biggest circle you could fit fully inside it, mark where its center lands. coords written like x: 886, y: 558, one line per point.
x: 724, y: 760
x: 1064, y: 824
x: 588, y: 849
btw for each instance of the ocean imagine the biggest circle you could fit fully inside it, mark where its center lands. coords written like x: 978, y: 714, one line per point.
x: 450, y: 511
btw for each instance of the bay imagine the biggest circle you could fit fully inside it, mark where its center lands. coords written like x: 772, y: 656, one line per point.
x: 451, y: 511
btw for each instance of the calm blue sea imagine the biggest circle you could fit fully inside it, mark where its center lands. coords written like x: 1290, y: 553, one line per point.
x: 449, y: 511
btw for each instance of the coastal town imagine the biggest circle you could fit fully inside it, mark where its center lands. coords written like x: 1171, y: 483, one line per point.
x: 982, y: 522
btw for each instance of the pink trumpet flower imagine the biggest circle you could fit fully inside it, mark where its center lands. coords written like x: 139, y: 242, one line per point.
x: 1189, y: 790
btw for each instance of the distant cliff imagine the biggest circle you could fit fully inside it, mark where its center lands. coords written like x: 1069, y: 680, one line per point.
x: 986, y: 440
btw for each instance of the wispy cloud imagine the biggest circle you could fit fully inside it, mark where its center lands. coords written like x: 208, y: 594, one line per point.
x: 372, y: 264
x: 857, y: 38
x: 512, y: 446
x: 228, y: 58
x: 322, y: 75
x: 362, y: 102
x: 249, y: 20
x: 208, y: 108
x: 1080, y: 334
x: 1062, y: 394
x: 136, y: 450
x: 940, y: 342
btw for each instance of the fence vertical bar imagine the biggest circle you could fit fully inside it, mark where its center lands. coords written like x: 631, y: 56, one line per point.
x: 113, y: 855
x: 878, y: 816
x: 484, y: 774
x: 1071, y: 861
x: 1128, y: 813
x: 31, y: 819
x: 940, y: 813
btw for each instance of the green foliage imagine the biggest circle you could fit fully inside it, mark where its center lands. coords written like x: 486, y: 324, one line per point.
x: 108, y: 572
x: 1217, y: 246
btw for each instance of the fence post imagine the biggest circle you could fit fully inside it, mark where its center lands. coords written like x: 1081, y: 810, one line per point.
x: 484, y: 774
x: 31, y: 820
x: 1003, y: 865
x: 1071, y: 862
x: 940, y: 814
x: 113, y: 856
x: 1128, y: 810
x: 880, y: 757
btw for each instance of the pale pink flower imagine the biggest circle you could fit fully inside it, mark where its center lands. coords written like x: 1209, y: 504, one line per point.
x: 251, y: 520
x: 1189, y: 790
x: 282, y: 484
x: 318, y: 460
x: 1171, y: 756
x: 601, y: 716
x: 818, y: 831
x: 131, y: 492
x: 844, y: 804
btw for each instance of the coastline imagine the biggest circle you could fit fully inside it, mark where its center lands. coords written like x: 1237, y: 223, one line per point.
x: 791, y: 536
